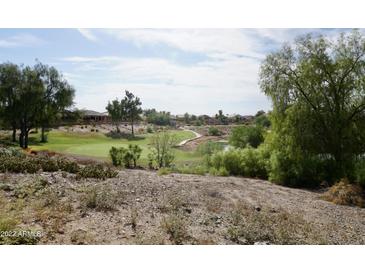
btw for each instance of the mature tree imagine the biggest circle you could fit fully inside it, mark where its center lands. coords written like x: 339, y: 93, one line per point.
x: 30, y: 103
x: 116, y: 112
x: 242, y: 136
x: 160, y: 118
x: 131, y: 106
x: 317, y: 87
x: 221, y: 117
x: 10, y: 81
x: 187, y: 118
x: 58, y: 95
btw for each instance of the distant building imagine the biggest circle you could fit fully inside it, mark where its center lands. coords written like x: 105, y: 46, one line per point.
x: 91, y: 116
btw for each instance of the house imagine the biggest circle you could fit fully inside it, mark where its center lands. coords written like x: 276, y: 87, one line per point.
x: 91, y: 116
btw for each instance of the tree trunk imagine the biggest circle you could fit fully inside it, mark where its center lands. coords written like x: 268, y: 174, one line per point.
x: 14, y: 134
x: 132, y: 127
x: 43, y: 136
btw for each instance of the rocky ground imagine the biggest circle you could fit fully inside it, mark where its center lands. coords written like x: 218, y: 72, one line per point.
x: 141, y: 207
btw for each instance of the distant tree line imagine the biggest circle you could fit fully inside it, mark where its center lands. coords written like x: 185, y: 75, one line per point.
x: 32, y: 97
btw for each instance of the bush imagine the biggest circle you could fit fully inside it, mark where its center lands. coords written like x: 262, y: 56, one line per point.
x: 162, y: 153
x: 100, y: 198
x: 344, y: 193
x: 11, y: 151
x: 125, y: 156
x: 198, y: 170
x: 96, y: 171
x: 67, y: 165
x: 242, y: 136
x: 222, y: 171
x: 149, y: 129
x: 248, y: 162
x: 213, y: 131
x: 18, y: 165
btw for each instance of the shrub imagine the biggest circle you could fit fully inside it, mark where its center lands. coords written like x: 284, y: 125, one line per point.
x: 199, y: 170
x: 100, y: 198
x: 97, y: 171
x: 162, y: 152
x: 344, y: 193
x: 248, y: 162
x: 125, y: 156
x: 149, y: 129
x: 213, y: 131
x: 242, y: 136
x: 175, y: 226
x: 11, y: 151
x: 67, y: 165
x: 222, y: 171
x: 18, y: 165
x: 47, y: 164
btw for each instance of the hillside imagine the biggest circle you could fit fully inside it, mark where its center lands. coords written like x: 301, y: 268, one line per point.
x: 141, y: 207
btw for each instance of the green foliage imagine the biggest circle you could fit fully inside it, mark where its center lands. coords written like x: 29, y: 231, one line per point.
x: 161, y: 146
x: 242, y: 136
x: 163, y: 171
x: 97, y: 171
x: 160, y: 118
x: 262, y: 121
x: 125, y: 156
x: 149, y: 129
x: 316, y: 87
x: 67, y: 165
x: 222, y: 171
x: 213, y: 131
x: 129, y: 109
x: 32, y: 97
x: 248, y: 162
x: 99, y: 198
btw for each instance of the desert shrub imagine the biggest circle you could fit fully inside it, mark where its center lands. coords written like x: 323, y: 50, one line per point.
x: 229, y: 160
x: 11, y: 151
x: 242, y: 136
x: 213, y: 131
x: 345, y: 193
x: 97, y: 171
x: 67, y: 165
x: 254, y: 162
x: 99, y: 198
x: 125, y: 156
x: 249, y: 226
x: 149, y: 129
x: 18, y: 165
x: 47, y: 164
x: 175, y: 226
x: 161, y: 146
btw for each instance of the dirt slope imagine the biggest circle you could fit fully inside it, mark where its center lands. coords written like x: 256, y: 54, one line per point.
x: 189, y: 209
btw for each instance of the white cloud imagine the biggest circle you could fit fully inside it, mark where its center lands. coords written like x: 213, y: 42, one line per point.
x: 88, y: 34
x: 21, y: 40
x: 205, y: 87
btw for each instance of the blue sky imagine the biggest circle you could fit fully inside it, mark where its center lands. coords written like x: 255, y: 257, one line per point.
x: 178, y: 70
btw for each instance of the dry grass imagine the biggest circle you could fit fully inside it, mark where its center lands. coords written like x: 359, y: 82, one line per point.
x: 176, y: 228
x: 249, y: 226
x: 345, y: 193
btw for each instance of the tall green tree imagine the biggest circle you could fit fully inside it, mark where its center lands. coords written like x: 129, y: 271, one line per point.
x: 29, y: 102
x: 116, y: 112
x: 131, y: 106
x: 10, y: 83
x: 58, y: 96
x: 317, y: 87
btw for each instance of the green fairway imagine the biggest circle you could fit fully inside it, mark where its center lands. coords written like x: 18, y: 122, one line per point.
x: 97, y: 145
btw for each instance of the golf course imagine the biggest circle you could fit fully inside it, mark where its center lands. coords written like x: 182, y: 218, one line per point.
x: 96, y: 145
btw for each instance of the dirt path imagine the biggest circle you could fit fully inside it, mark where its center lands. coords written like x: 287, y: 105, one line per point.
x: 184, y: 142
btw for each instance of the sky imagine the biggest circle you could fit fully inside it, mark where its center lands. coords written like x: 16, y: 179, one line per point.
x: 197, y: 71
